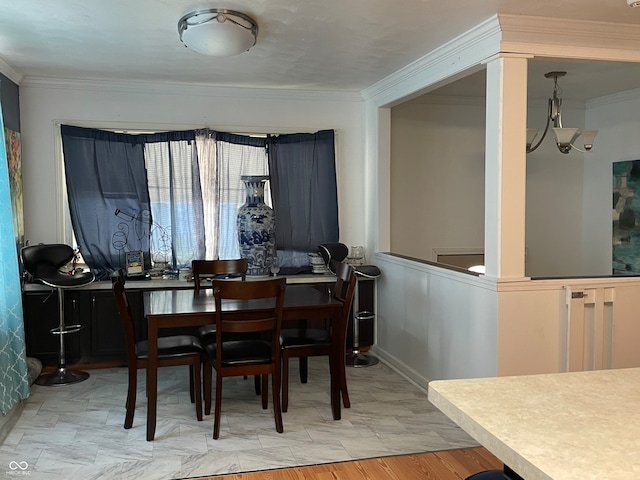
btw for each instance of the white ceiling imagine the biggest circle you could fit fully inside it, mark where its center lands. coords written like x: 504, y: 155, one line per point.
x: 302, y: 44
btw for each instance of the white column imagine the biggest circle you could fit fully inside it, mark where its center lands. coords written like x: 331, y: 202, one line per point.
x: 505, y: 167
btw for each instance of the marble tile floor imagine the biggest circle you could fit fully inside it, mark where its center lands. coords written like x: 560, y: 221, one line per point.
x: 75, y: 432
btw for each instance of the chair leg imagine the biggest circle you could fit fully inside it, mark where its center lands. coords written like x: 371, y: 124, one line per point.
x: 304, y: 369
x: 197, y: 390
x: 207, y: 374
x: 256, y: 384
x: 216, y: 415
x: 191, y: 386
x: 343, y: 382
x: 276, y: 397
x: 131, y: 397
x: 343, y: 389
x: 265, y: 391
x: 285, y: 383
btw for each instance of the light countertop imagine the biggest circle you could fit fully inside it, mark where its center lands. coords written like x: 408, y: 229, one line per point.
x: 564, y: 426
x: 160, y: 283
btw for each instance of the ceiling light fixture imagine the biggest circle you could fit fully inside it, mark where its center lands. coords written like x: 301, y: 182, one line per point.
x: 633, y: 3
x: 218, y: 32
x: 565, y: 137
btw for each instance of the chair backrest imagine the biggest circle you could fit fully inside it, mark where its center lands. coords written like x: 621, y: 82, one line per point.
x: 333, y: 254
x: 117, y: 284
x: 262, y: 315
x: 40, y: 261
x: 203, y: 269
x: 344, y: 290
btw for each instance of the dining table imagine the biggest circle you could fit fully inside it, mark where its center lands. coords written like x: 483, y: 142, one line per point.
x: 186, y: 308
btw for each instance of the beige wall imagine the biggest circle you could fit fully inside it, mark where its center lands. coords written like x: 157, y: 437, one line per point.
x: 437, y: 176
x: 437, y: 187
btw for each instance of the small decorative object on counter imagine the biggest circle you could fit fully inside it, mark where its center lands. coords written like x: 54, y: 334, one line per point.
x: 256, y: 227
x: 275, y: 265
x: 317, y: 263
x: 356, y: 256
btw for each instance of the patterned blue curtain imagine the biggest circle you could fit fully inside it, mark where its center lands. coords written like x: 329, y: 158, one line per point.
x: 14, y: 383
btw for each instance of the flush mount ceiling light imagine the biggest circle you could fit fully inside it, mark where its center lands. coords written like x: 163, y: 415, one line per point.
x: 218, y: 32
x: 565, y: 137
x: 633, y: 3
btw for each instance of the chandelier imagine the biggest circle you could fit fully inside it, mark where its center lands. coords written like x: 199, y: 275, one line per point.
x: 565, y: 137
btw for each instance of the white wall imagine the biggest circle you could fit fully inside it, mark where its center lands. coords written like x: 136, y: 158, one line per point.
x: 45, y: 103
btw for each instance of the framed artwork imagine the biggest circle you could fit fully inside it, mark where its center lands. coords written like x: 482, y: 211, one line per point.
x: 14, y: 160
x: 626, y: 218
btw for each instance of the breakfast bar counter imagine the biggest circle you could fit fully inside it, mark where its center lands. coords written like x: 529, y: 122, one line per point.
x: 563, y: 426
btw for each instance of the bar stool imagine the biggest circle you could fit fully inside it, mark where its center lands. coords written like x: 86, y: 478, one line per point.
x: 43, y: 263
x: 358, y: 358
x: 333, y: 253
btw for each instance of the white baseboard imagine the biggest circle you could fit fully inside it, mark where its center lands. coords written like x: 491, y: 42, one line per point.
x: 8, y: 421
x: 402, y: 368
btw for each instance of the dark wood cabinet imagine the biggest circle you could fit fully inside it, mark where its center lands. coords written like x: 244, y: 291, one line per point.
x: 107, y: 342
x: 101, y: 341
x: 40, y: 310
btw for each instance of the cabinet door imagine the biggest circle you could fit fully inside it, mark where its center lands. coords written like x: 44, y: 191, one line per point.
x: 107, y: 335
x: 40, y: 311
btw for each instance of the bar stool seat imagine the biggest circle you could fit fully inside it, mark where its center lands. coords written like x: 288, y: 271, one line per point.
x: 43, y: 263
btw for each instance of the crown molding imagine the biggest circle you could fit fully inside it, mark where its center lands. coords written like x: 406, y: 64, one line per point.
x: 9, y: 72
x: 459, y: 55
x: 622, y: 97
x: 505, y: 35
x: 181, y: 89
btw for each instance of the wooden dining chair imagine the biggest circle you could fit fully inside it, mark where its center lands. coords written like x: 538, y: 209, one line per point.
x: 255, y: 346
x: 303, y: 342
x: 172, y: 350
x: 204, y: 271
x: 207, y: 270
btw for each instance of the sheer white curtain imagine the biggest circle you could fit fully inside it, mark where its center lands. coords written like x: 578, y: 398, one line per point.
x: 176, y: 201
x: 208, y: 167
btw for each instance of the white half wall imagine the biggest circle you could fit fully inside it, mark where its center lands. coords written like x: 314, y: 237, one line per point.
x: 435, y: 323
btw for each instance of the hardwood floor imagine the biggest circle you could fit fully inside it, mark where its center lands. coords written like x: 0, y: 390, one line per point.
x: 443, y: 465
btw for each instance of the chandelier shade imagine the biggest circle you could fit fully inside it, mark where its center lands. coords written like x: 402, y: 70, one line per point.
x: 565, y: 137
x: 218, y: 32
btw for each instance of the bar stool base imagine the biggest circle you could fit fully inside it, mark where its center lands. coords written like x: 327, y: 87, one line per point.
x: 358, y: 359
x: 61, y: 376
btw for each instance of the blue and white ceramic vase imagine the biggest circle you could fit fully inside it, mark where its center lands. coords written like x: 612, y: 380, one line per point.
x: 256, y: 227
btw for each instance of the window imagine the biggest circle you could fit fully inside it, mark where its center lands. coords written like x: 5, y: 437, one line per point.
x: 175, y: 195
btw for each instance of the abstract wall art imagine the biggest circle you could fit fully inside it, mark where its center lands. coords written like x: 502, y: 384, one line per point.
x: 626, y: 218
